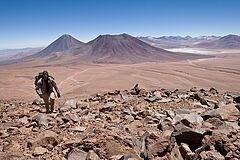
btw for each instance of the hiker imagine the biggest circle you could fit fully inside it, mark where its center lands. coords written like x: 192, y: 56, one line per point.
x: 44, y: 84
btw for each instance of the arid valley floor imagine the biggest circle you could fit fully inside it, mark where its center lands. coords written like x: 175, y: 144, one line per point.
x: 222, y: 73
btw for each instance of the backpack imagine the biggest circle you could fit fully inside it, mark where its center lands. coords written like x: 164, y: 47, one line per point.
x: 39, y: 76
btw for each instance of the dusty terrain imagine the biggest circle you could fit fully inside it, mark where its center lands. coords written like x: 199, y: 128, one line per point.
x: 131, y: 124
x: 222, y: 73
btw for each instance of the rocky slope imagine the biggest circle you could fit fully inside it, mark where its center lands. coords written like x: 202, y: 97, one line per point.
x: 118, y: 125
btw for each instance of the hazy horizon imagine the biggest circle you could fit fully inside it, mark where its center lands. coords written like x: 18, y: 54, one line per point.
x: 37, y: 23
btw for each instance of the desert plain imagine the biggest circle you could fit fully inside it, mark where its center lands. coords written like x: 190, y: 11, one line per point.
x: 80, y: 80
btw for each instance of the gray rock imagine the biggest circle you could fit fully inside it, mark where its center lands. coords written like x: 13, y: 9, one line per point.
x: 228, y: 112
x: 183, y: 111
x: 165, y: 124
x: 124, y: 97
x: 70, y: 104
x: 23, y: 120
x: 188, y: 118
x: 216, y: 122
x: 210, y: 114
x: 77, y: 154
x: 191, y: 120
x: 73, y: 117
x: 109, y: 106
x: 39, y: 151
x: 40, y: 119
x: 150, y: 99
x: 92, y: 156
x: 157, y: 94
x: 78, y: 129
x: 38, y: 102
x: 165, y: 100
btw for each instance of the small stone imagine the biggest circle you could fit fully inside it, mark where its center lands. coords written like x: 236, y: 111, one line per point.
x: 117, y: 157
x: 213, y: 91
x: 186, y: 151
x: 77, y: 154
x: 38, y: 102
x: 92, y: 156
x: 39, y: 151
x: 68, y: 105
x: 82, y: 105
x: 165, y: 100
x: 237, y: 99
x: 45, y: 138
x: 40, y: 119
x: 78, y: 129
x: 23, y: 120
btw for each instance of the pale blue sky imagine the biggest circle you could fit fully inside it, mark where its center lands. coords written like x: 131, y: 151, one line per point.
x: 32, y: 23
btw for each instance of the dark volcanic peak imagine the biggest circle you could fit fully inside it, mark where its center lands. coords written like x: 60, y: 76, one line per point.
x: 122, y: 44
x: 123, y: 48
x: 63, y: 43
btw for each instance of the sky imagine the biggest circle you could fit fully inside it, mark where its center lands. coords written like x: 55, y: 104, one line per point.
x: 36, y: 23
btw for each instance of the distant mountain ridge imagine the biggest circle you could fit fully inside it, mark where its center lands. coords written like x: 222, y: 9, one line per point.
x: 211, y: 42
x: 226, y: 42
x: 167, y: 42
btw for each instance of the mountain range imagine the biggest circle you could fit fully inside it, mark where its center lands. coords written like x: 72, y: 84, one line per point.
x: 121, y: 48
x: 125, y: 48
x: 211, y: 42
